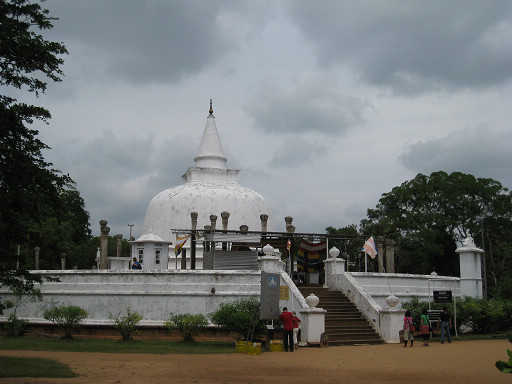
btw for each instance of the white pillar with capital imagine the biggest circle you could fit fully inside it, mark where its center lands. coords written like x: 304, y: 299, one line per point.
x: 470, y: 269
x: 333, y: 268
x: 270, y: 263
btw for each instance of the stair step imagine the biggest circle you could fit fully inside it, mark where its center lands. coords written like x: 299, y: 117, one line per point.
x: 344, y: 323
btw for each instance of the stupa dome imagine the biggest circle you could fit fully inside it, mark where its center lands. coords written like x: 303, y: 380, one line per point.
x: 209, y: 189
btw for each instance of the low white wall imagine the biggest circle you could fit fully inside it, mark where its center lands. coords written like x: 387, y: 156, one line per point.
x: 154, y: 294
x: 404, y: 286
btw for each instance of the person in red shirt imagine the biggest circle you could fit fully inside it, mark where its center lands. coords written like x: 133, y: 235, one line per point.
x: 287, y: 319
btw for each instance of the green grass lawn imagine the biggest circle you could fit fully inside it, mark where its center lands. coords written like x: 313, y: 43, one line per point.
x: 33, y: 367
x: 114, y: 346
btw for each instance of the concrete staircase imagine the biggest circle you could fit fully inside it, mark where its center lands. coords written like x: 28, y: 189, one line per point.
x: 344, y: 323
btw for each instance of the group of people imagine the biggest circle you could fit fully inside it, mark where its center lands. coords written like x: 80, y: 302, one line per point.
x: 291, y: 325
x: 424, y: 330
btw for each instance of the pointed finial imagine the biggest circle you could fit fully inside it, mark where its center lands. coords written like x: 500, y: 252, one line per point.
x: 211, y: 108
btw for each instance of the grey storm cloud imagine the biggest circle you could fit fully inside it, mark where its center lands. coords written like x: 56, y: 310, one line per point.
x: 330, y: 90
x: 481, y: 152
x: 296, y: 152
x: 413, y: 46
x: 310, y: 105
x: 118, y: 177
x: 150, y: 41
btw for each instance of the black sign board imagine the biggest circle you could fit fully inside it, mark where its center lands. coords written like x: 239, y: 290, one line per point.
x: 442, y: 296
x: 269, y: 299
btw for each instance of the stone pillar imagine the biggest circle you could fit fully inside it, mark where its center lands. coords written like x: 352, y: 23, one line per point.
x: 380, y: 256
x: 207, y: 237
x: 193, y: 217
x: 288, y: 220
x: 225, y: 217
x: 63, y: 260
x: 213, y: 221
x: 390, y: 256
x: 118, y: 245
x: 470, y: 269
x: 36, y: 253
x: 264, y: 221
x: 104, y: 244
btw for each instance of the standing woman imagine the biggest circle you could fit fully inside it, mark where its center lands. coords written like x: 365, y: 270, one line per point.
x: 408, y: 328
x: 425, y: 327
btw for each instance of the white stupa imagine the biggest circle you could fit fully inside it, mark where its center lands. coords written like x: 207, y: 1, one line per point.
x: 209, y: 189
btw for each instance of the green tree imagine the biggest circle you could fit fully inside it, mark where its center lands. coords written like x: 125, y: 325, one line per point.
x: 349, y: 242
x: 428, y: 215
x: 37, y: 200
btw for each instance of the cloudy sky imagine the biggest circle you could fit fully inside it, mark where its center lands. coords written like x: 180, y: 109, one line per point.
x: 323, y: 105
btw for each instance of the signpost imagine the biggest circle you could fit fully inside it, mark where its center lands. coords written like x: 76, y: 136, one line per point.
x: 270, y: 292
x: 442, y: 296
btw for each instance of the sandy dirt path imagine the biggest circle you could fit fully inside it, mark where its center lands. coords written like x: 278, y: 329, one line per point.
x: 459, y: 362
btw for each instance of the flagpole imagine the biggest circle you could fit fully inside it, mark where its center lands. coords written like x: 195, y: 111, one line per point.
x: 365, y: 262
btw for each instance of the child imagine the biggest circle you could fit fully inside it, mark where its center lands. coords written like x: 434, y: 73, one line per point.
x: 408, y: 326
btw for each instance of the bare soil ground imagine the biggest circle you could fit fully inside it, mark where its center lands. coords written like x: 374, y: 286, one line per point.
x: 459, y: 362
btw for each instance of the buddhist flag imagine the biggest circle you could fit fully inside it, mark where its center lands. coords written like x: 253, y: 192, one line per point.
x: 310, y: 256
x: 289, y: 245
x: 180, y: 242
x: 370, y: 248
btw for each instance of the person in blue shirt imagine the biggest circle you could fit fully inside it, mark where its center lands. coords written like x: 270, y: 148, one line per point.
x: 136, y: 264
x: 446, y: 324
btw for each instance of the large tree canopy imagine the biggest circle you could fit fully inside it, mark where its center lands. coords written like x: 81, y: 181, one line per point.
x: 39, y: 205
x: 429, y: 215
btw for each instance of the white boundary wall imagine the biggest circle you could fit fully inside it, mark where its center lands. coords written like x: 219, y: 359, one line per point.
x: 157, y: 293
x: 154, y: 294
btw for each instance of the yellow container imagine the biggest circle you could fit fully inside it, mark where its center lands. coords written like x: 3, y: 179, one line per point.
x: 241, y: 346
x: 276, y: 346
x: 254, y: 349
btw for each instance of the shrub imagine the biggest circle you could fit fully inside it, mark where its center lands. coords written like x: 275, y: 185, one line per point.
x: 485, y: 316
x: 15, y: 326
x: 479, y: 315
x: 67, y: 317
x: 239, y: 316
x: 127, y: 324
x: 187, y: 324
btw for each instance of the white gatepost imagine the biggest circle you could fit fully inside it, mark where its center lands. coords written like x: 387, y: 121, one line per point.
x: 333, y: 268
x: 313, y: 325
x: 470, y: 269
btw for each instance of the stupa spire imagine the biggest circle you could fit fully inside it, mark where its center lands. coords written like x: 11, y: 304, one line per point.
x: 210, y: 153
